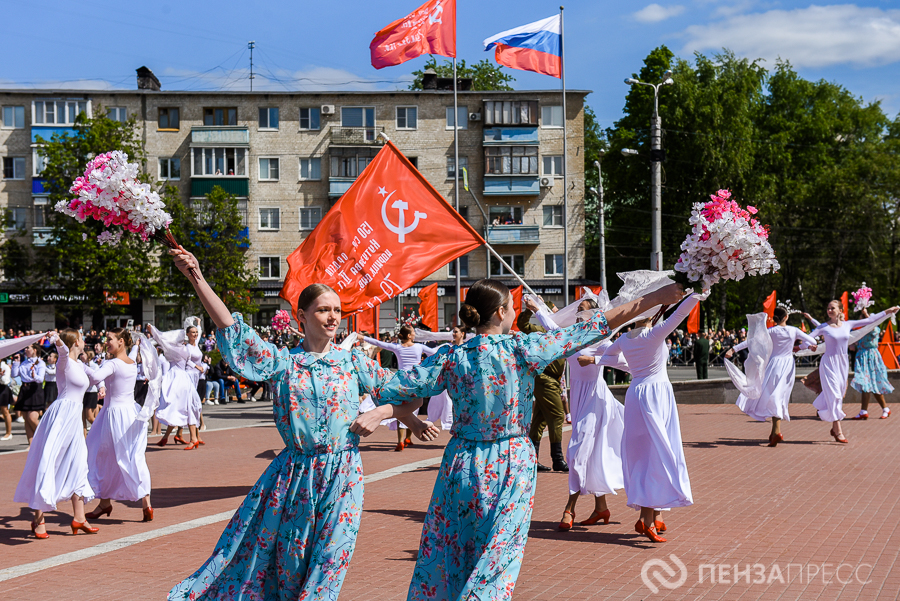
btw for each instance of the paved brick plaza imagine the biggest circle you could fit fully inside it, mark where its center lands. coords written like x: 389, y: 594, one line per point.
x: 808, y: 508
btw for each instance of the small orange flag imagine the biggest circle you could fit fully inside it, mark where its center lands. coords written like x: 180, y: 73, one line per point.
x: 769, y: 308
x: 428, y: 307
x: 517, y: 304
x: 693, y: 320
x: 888, y: 348
x: 844, y: 302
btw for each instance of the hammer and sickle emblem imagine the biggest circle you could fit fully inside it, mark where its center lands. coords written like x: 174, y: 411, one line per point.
x: 434, y: 17
x: 401, y: 229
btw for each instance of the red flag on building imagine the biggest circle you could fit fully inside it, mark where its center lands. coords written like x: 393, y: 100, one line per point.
x: 769, y: 308
x: 517, y: 304
x: 693, y: 320
x: 387, y: 232
x: 845, y: 305
x: 428, y: 307
x: 888, y: 348
x: 430, y: 29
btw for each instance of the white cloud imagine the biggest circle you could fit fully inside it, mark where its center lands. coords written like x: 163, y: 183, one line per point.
x: 654, y: 13
x: 63, y: 84
x: 817, y: 36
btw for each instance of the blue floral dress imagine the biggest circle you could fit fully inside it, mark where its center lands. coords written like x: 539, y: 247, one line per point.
x: 870, y: 373
x: 477, y: 524
x: 293, y: 536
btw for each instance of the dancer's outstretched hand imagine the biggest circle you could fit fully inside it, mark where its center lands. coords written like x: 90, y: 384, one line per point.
x: 184, y: 261
x: 892, y: 310
x: 426, y: 430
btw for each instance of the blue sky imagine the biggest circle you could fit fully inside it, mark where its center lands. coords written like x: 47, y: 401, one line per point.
x: 324, y: 45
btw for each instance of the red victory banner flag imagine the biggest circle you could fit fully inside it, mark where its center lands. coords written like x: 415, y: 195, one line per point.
x: 387, y: 232
x: 516, y: 294
x: 428, y: 307
x: 430, y: 29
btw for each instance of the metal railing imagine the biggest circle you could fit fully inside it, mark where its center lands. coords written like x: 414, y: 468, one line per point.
x: 357, y: 136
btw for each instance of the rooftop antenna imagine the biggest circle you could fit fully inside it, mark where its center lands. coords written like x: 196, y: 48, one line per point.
x: 251, y: 45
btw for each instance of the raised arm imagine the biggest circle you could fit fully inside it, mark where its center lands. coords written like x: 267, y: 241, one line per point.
x: 872, y: 319
x: 661, y: 330
x: 248, y: 355
x: 186, y: 262
x: 381, y: 344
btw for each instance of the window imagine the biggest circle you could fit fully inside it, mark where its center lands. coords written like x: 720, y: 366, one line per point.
x: 553, y: 216
x: 169, y: 169
x: 463, y: 114
x: 464, y: 212
x: 309, y: 118
x: 414, y: 161
x: 311, y: 169
x: 361, y: 117
x: 39, y: 161
x: 463, y: 267
x: 269, y: 219
x: 511, y: 160
x: 219, y: 161
x: 553, y: 165
x: 310, y: 218
x: 407, y: 117
x: 13, y: 117
x: 270, y: 268
x: 117, y: 113
x: 517, y: 262
x: 268, y: 118
x: 553, y: 264
x: 168, y: 119
x: 41, y: 204
x: 268, y: 169
x: 505, y: 215
x: 58, y: 112
x: 17, y: 218
x: 451, y: 166
x: 220, y: 116
x: 349, y: 162
x: 552, y: 116
x: 167, y: 317
x: 13, y: 167
x: 506, y: 112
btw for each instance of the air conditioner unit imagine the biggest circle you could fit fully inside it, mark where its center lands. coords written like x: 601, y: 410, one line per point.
x: 546, y: 182
x: 474, y: 116
x: 327, y: 109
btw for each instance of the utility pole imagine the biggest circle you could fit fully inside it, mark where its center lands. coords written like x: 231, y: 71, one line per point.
x: 599, y: 193
x: 251, y: 45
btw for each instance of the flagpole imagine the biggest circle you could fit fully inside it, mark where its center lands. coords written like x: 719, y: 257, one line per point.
x: 456, y: 174
x: 510, y: 269
x: 565, y: 165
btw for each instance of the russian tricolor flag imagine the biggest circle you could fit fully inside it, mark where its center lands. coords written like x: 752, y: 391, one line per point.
x: 534, y: 47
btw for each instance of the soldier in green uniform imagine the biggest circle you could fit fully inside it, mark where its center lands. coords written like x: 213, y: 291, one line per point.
x: 701, y: 356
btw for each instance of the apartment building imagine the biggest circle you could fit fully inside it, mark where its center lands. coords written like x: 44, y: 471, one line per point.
x: 288, y: 157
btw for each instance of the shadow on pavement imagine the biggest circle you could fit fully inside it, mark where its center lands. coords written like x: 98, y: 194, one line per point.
x: 407, y: 514
x: 175, y: 497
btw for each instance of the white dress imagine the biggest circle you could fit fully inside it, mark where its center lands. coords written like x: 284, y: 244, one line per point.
x: 598, y: 421
x: 57, y: 464
x: 653, y: 461
x: 407, y: 357
x: 834, y: 368
x: 778, y: 381
x: 179, y: 403
x: 118, y: 439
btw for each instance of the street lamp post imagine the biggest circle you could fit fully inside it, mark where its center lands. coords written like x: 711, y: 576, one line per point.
x: 599, y: 192
x: 656, y: 157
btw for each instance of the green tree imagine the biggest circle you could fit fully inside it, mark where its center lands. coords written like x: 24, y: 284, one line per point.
x: 213, y: 231
x: 73, y: 262
x: 484, y: 74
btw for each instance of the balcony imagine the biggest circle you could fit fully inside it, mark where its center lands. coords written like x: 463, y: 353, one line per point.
x: 220, y: 135
x: 356, y: 136
x: 41, y: 236
x: 519, y: 136
x: 338, y: 185
x: 512, y: 185
x: 514, y: 234
x: 234, y: 185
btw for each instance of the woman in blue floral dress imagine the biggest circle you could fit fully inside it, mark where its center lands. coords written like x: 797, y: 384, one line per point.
x: 293, y: 536
x: 870, y: 373
x: 477, y: 524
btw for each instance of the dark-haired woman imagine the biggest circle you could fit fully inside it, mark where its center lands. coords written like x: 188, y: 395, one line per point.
x: 409, y: 354
x: 31, y: 394
x: 474, y: 535
x: 440, y: 407
x: 118, y: 437
x: 294, y: 534
x: 57, y: 466
x: 778, y: 381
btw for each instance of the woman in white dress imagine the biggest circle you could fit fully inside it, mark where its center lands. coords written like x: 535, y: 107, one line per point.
x: 57, y: 465
x: 656, y: 475
x: 594, y: 453
x: 835, y: 364
x: 409, y: 354
x: 180, y: 404
x: 118, y: 438
x: 6, y: 397
x: 778, y: 381
x: 440, y: 407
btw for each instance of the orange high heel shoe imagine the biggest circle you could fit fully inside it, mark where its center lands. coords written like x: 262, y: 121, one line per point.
x: 76, y: 526
x: 191, y: 446
x: 773, y: 440
x: 842, y: 440
x: 37, y: 534
x: 565, y: 527
x: 399, y: 446
x: 199, y: 442
x: 596, y: 516
x: 163, y: 441
x: 180, y: 440
x: 660, y: 525
x: 93, y: 515
x: 649, y: 532
x: 148, y: 514
x: 408, y: 443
